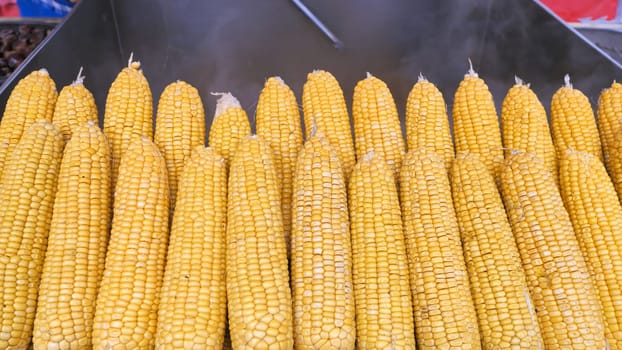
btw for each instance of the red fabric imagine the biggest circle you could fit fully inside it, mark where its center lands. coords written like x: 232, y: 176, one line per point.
x: 572, y: 10
x: 9, y: 8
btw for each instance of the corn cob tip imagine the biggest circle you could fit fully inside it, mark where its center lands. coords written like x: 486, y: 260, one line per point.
x: 225, y: 101
x: 133, y: 64
x: 79, y: 79
x: 520, y: 82
x: 368, y: 75
x: 43, y: 72
x: 567, y: 81
x: 277, y: 79
x: 471, y: 72
x: 421, y: 78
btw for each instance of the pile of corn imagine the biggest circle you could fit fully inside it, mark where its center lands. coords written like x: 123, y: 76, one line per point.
x: 130, y: 238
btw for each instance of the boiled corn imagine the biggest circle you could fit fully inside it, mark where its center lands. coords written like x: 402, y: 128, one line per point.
x: 384, y: 313
x: 33, y: 98
x: 27, y: 190
x: 507, y: 319
x: 559, y: 282
x: 74, y: 107
x: 229, y: 126
x: 427, y: 125
x: 377, y: 125
x: 76, y: 250
x: 193, y: 300
x: 596, y: 216
x: 257, y: 277
x: 180, y: 127
x: 325, y: 107
x: 321, y: 254
x: 128, y: 299
x: 572, y: 122
x: 444, y: 313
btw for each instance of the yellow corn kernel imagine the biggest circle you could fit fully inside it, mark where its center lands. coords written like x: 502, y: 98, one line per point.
x: 75, y: 107
x: 507, y: 319
x: 596, y: 216
x: 193, y: 301
x: 476, y: 125
x: 321, y: 255
x: 614, y: 163
x: 427, y: 125
x: 572, y: 122
x: 27, y: 190
x: 257, y: 276
x: 278, y: 123
x: 33, y: 98
x: 76, y: 250
x: 377, y: 125
x: 229, y: 126
x: 525, y: 126
x: 384, y: 313
x: 180, y: 127
x: 129, y: 293
x: 444, y: 313
x: 128, y: 113
x: 609, y: 117
x: 325, y: 107
x: 559, y: 282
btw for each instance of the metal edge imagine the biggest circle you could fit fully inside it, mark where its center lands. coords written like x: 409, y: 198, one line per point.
x: 578, y: 34
x: 31, y: 20
x: 37, y: 49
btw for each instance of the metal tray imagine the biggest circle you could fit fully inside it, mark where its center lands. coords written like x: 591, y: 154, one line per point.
x: 223, y: 45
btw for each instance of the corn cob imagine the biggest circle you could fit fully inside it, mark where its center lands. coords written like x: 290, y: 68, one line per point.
x: 615, y: 162
x: 427, y: 125
x: 384, y: 313
x: 559, y: 282
x: 75, y: 106
x: 193, y: 300
x: 506, y: 317
x: 257, y: 277
x: 33, y: 98
x: 377, y: 125
x: 27, y: 190
x: 128, y: 113
x: 525, y: 126
x: 609, y: 117
x: 180, y: 127
x: 321, y: 256
x: 127, y: 303
x: 74, y: 260
x: 325, y: 107
x: 596, y: 216
x: 444, y: 313
x: 476, y: 125
x: 278, y: 123
x: 229, y: 126
x: 573, y: 123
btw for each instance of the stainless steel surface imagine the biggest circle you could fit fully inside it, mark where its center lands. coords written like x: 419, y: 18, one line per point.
x: 223, y: 45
